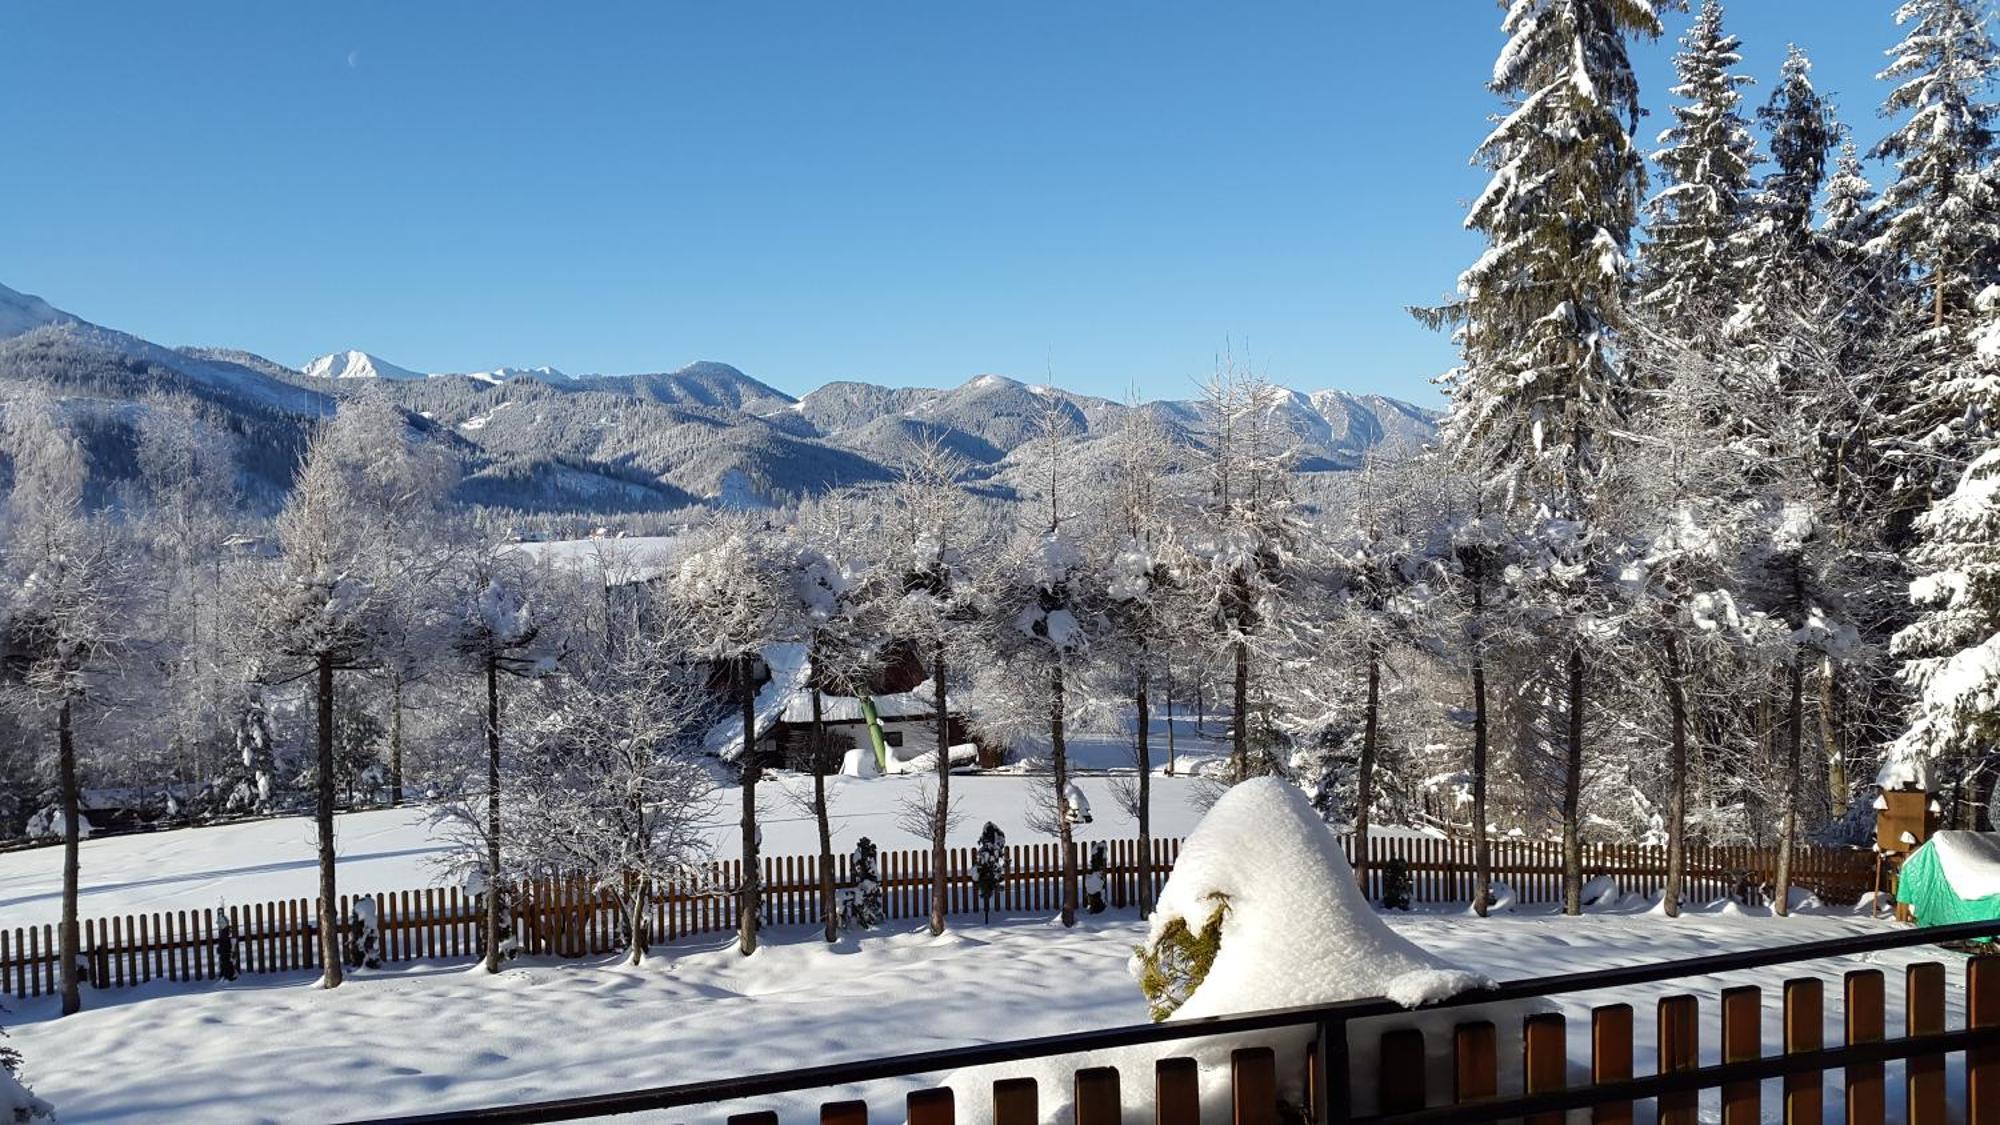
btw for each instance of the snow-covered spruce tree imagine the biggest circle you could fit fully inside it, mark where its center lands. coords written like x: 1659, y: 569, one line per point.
x: 315, y: 610
x: 1146, y: 603
x: 1693, y: 262
x: 734, y: 592
x: 864, y: 868
x: 1541, y: 386
x: 1951, y: 652
x: 1248, y: 527
x: 926, y: 603
x: 1940, y: 207
x: 498, y: 628
x: 64, y: 620
x: 1941, y: 228
x: 605, y: 779
x: 1778, y: 245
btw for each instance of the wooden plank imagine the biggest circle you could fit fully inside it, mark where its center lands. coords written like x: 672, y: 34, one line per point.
x: 1176, y: 1092
x: 1866, y: 1100
x: 1475, y: 1055
x: 1923, y: 1014
x: 1545, y: 1061
x: 1805, y: 1027
x: 1399, y: 1075
x: 1611, y: 1058
x: 930, y: 1107
x: 1097, y: 1096
x: 1015, y: 1102
x: 1253, y: 1086
x: 1680, y: 1049
x: 1982, y: 1064
x: 844, y: 1113
x: 1742, y: 1023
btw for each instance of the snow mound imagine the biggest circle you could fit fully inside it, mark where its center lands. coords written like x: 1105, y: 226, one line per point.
x: 1297, y: 930
x: 1971, y: 862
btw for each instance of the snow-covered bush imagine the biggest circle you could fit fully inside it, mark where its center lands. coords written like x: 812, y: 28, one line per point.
x: 1096, y: 877
x: 989, y: 866
x: 364, y: 935
x: 227, y: 963
x: 1262, y: 912
x: 867, y: 909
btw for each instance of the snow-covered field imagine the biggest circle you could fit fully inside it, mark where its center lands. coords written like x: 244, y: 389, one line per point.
x: 397, y: 849
x: 425, y: 1037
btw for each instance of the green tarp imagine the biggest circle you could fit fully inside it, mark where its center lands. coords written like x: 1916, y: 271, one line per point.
x: 1923, y: 886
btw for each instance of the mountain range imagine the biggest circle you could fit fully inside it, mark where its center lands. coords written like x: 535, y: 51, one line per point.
x: 537, y: 440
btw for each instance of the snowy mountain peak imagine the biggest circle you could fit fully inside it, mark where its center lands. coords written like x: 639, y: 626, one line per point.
x: 509, y: 374
x: 22, y: 312
x: 357, y: 365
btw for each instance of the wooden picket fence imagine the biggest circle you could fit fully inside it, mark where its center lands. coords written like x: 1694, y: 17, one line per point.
x: 567, y: 918
x: 1442, y: 871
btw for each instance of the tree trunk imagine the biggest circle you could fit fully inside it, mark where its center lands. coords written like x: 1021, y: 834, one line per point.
x: 396, y: 740
x: 748, y: 896
x: 1059, y: 762
x: 72, y: 999
x: 1573, y: 790
x: 1482, y: 846
x: 1677, y: 777
x: 1170, y: 722
x: 1145, y: 764
x: 1830, y: 738
x: 1365, y: 791
x: 329, y: 896
x: 829, y: 902
x: 492, y: 814
x: 635, y: 924
x: 940, y: 890
x: 1239, y: 727
x: 1789, y: 822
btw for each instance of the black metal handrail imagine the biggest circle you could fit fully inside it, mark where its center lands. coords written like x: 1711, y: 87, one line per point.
x: 1331, y: 1020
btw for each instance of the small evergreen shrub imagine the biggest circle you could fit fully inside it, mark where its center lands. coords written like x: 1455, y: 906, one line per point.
x: 869, y: 908
x: 1172, y: 967
x: 989, y: 866
x: 1396, y: 884
x: 1096, y: 877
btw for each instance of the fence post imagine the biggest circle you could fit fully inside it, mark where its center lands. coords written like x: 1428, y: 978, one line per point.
x: 1334, y: 1102
x: 1982, y: 1064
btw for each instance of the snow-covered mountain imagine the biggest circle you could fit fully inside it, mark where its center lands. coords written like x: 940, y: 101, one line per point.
x: 357, y: 365
x: 537, y: 439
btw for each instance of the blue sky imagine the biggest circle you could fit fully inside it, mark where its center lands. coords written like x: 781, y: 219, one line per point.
x: 903, y: 192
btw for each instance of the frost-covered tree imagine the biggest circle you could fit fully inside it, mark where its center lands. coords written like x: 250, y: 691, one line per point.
x: 1146, y: 605
x: 1693, y: 262
x: 925, y: 601
x: 498, y: 630
x: 1045, y: 615
x: 734, y: 592
x: 606, y: 782
x: 316, y: 611
x: 1243, y: 535
x: 1541, y: 386
x: 989, y: 867
x: 63, y: 622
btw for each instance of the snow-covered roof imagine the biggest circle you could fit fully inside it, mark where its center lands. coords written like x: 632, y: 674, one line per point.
x: 789, y: 671
x: 912, y: 704
x: 1971, y: 862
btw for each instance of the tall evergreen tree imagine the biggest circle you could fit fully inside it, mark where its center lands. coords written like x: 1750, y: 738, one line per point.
x: 1541, y: 381
x: 1940, y: 206
x: 1694, y: 262
x: 1777, y: 244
